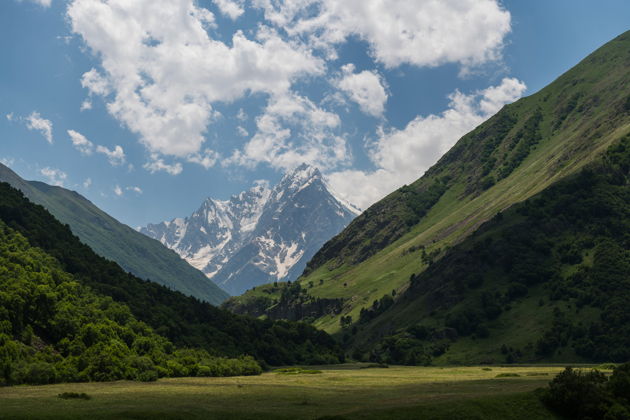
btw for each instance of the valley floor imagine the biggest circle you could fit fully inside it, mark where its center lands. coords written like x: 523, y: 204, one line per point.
x: 340, y: 392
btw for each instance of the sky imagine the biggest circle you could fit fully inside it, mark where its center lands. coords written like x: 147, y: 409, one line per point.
x: 147, y: 107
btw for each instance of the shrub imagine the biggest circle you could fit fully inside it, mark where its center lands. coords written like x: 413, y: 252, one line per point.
x: 147, y: 376
x: 39, y: 373
x: 577, y: 395
x: 508, y: 375
x: 74, y: 395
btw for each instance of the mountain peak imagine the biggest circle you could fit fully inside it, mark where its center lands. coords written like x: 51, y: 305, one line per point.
x: 262, y: 234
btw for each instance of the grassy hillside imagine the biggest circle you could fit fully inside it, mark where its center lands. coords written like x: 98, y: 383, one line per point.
x: 184, y: 320
x: 546, y: 280
x: 519, y: 152
x: 136, y: 253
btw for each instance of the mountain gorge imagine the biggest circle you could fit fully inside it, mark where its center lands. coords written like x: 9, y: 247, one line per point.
x: 418, y: 277
x: 137, y: 254
x: 259, y: 236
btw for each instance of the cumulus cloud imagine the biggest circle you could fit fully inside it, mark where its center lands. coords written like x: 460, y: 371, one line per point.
x: 232, y: 9
x: 402, y: 156
x: 86, y: 105
x: 135, y: 189
x: 118, y: 191
x: 54, y: 176
x: 87, y: 183
x: 364, y: 88
x: 35, y: 122
x: 157, y: 164
x: 292, y: 130
x: 10, y: 116
x: 160, y: 80
x: 417, y: 32
x: 207, y: 159
x: 81, y: 143
x: 115, y: 156
x: 94, y: 82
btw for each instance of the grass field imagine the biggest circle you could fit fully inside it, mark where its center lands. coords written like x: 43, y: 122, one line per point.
x: 347, y: 391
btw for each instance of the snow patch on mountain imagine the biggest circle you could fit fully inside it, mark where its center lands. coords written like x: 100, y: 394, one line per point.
x: 260, y: 235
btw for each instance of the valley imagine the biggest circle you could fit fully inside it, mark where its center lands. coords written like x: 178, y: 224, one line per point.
x: 342, y: 210
x: 354, y: 391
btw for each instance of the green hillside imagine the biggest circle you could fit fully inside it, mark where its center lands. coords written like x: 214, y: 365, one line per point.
x: 546, y: 280
x: 133, y: 251
x: 185, y: 321
x: 522, y: 150
x: 54, y: 329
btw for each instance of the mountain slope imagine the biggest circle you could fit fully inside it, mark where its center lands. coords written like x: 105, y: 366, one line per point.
x: 184, y: 320
x: 259, y: 236
x: 546, y: 280
x: 134, y: 252
x: 523, y: 149
x: 53, y: 329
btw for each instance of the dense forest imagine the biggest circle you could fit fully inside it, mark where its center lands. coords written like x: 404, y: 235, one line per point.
x: 53, y: 328
x: 64, y: 291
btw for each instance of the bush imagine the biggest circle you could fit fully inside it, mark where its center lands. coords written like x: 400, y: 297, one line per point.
x: 619, y: 383
x: 39, y: 373
x: 508, y: 375
x: 147, y: 376
x: 577, y: 395
x: 74, y: 395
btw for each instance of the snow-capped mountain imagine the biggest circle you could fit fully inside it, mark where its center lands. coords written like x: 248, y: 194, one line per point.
x: 260, y: 235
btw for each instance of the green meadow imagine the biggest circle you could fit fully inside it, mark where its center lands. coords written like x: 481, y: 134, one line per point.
x: 353, y: 391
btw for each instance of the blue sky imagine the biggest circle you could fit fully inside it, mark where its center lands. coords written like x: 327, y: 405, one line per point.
x: 148, y: 107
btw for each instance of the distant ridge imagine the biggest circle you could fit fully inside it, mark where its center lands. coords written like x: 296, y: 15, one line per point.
x: 134, y: 252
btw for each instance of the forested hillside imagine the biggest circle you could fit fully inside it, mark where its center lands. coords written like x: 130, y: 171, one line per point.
x: 185, y: 321
x: 55, y: 329
x: 142, y: 256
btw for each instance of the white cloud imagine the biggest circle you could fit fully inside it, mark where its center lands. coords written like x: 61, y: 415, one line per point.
x: 157, y: 164
x: 164, y: 78
x: 37, y: 123
x: 10, y: 116
x: 365, y: 88
x: 54, y: 176
x: 82, y: 144
x: 86, y: 105
x: 137, y: 190
x: 116, y: 156
x: 292, y: 130
x: 118, y: 191
x: 242, y: 131
x: 207, y: 159
x: 230, y: 8
x: 95, y: 83
x: 87, y: 183
x: 417, y: 32
x: 241, y: 115
x: 402, y: 156
x: 43, y: 3
x: 7, y: 161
